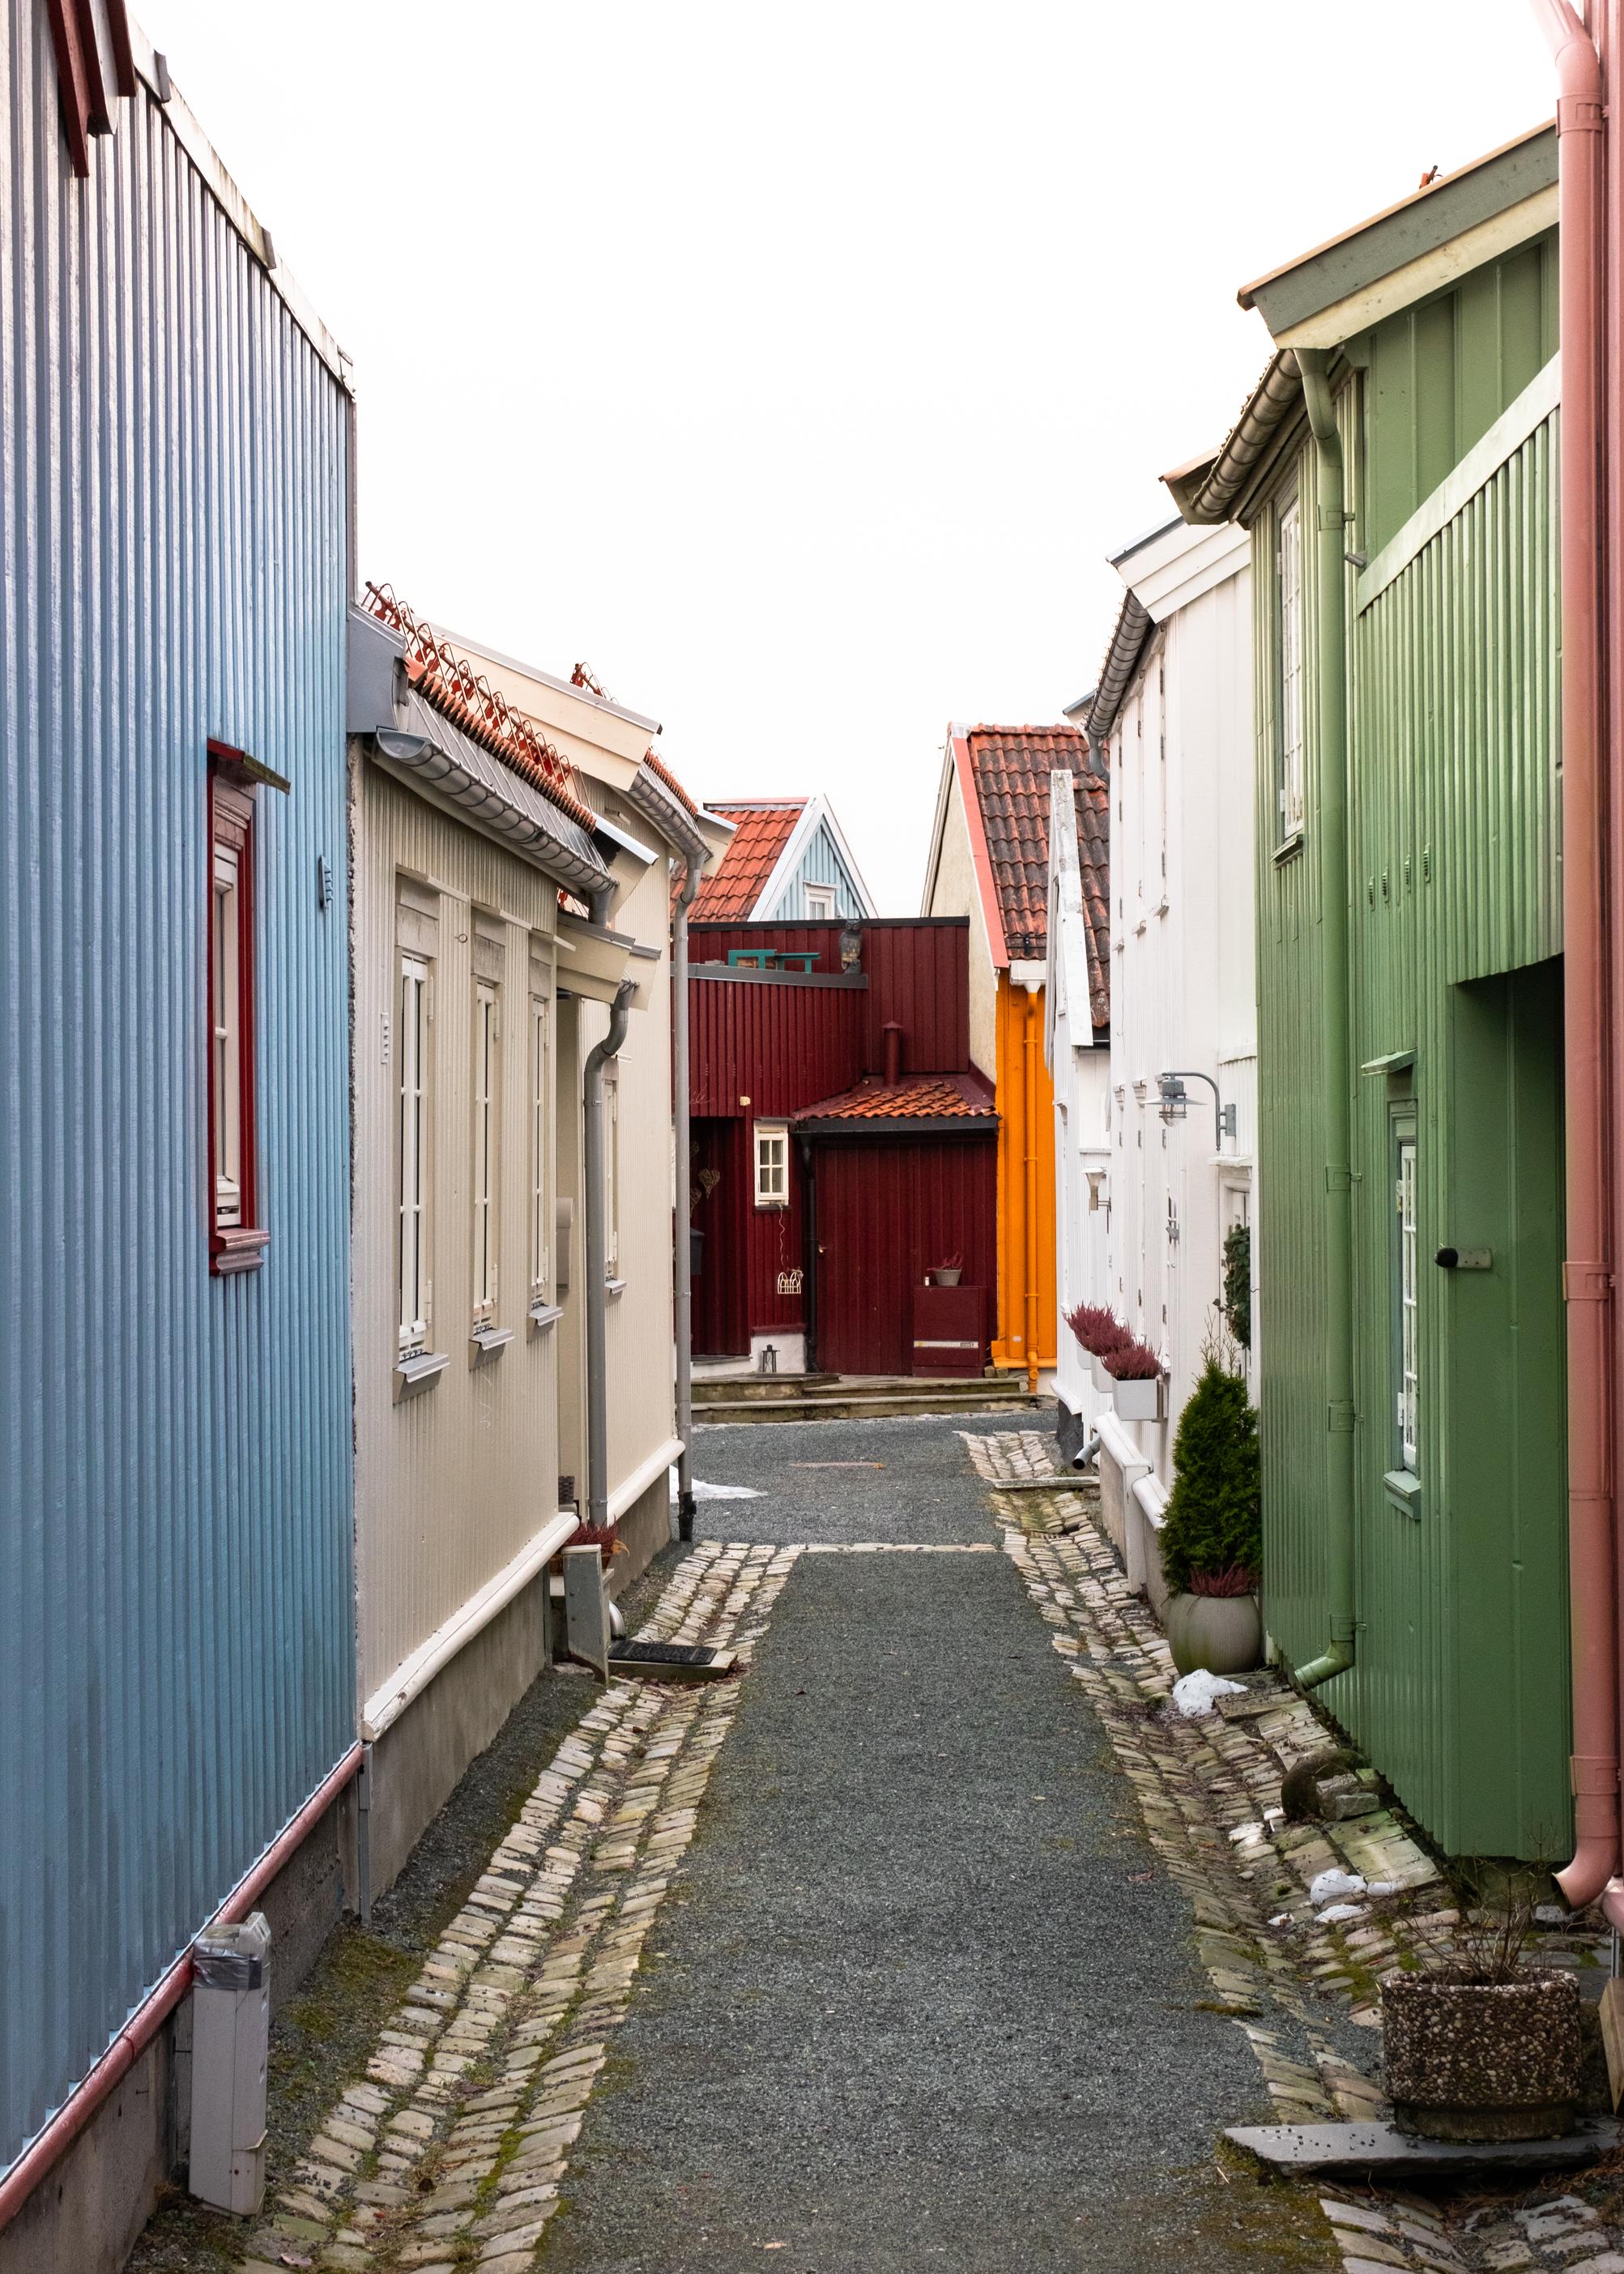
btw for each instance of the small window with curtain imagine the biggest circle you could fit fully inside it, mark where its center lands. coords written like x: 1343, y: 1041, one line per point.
x: 487, y: 1132
x: 771, y: 1164
x: 1289, y: 689
x: 237, y: 1241
x: 416, y: 1281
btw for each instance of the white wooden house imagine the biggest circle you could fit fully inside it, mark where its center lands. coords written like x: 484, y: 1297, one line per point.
x: 1076, y: 1046
x: 1171, y: 719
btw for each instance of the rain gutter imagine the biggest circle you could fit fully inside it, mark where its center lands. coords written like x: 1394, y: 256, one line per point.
x: 1589, y: 833
x: 597, y: 1260
x: 1331, y: 836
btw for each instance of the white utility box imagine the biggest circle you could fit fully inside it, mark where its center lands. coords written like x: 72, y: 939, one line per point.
x: 230, y: 2029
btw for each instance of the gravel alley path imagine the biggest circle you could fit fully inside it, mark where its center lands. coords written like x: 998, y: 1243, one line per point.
x: 922, y: 1997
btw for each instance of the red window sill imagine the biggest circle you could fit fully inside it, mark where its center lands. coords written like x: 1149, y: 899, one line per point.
x: 236, y: 1249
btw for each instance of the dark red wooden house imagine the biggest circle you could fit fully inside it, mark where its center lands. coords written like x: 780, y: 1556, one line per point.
x: 845, y: 1150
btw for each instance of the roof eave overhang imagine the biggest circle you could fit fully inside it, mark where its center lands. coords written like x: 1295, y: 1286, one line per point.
x: 655, y: 803
x: 1221, y: 489
x: 1129, y: 640
x: 898, y: 1124
x: 1519, y: 174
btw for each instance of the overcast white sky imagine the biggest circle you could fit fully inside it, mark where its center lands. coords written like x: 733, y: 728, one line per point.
x: 799, y: 367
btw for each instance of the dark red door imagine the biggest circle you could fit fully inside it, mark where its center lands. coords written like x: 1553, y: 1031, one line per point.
x: 889, y: 1210
x: 721, y: 1308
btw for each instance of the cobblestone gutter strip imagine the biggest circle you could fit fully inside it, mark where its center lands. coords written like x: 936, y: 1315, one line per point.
x: 1209, y: 1789
x: 450, y: 2152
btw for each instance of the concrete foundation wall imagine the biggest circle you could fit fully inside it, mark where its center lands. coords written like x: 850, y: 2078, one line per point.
x: 420, y: 1759
x: 85, y: 2216
x: 644, y: 1529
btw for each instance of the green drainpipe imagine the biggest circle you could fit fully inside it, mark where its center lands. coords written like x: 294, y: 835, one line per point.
x: 1332, y: 833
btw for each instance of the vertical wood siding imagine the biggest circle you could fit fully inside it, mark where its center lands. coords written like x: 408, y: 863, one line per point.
x: 175, y: 1613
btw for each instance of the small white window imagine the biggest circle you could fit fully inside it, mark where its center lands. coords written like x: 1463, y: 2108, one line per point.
x: 1408, y: 1416
x: 487, y: 1071
x: 226, y: 997
x: 541, y: 1150
x: 771, y: 1164
x: 416, y: 1287
x: 1290, y: 670
x: 819, y: 903
x: 611, y: 1170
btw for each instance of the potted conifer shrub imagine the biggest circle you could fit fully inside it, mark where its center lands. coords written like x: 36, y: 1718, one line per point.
x: 1135, y: 1379
x: 1212, y: 1537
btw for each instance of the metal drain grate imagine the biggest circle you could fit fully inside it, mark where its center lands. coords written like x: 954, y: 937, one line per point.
x: 674, y: 1662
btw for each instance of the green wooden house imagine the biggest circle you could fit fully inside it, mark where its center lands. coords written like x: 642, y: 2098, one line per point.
x: 1397, y: 469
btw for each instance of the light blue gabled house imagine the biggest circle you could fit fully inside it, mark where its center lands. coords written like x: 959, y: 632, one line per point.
x: 788, y: 862
x: 176, y: 1615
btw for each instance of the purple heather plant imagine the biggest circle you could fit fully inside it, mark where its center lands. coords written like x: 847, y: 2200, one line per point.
x: 1133, y: 1361
x: 1097, y: 1329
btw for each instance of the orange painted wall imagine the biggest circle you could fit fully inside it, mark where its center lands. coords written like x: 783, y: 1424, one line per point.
x: 1025, y: 1102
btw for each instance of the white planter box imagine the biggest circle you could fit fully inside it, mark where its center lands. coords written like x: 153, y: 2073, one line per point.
x: 1102, y: 1381
x: 1138, y: 1401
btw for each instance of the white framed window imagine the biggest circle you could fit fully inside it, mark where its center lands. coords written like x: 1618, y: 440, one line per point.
x: 1290, y: 674
x: 225, y: 994
x: 415, y: 1283
x: 820, y: 901
x: 541, y: 1149
x: 1407, y: 1415
x: 611, y: 1170
x: 485, y: 1181
x: 771, y: 1164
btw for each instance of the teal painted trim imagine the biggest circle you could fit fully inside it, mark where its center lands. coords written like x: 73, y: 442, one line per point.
x: 1536, y: 403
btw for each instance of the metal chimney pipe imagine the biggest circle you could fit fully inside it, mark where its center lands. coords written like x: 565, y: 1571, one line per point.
x: 893, y: 1054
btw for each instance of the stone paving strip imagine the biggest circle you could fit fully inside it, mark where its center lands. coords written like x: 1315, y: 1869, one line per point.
x: 1208, y: 1790
x: 449, y: 2152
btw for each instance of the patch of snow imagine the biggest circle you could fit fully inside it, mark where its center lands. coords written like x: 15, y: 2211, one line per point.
x: 717, y: 1492
x: 1193, y: 1693
x: 1334, y: 1887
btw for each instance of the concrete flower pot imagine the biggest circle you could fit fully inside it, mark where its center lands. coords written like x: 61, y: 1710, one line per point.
x: 1137, y: 1401
x: 1223, y: 1633
x: 1482, y: 2061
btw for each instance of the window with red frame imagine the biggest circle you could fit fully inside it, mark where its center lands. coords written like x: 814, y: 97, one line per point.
x: 236, y: 1242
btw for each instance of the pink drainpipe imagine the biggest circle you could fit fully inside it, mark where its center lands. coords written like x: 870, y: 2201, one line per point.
x: 1590, y: 382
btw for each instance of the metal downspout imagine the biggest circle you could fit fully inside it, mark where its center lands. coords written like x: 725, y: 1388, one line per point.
x: 1331, y: 833
x: 1589, y: 391
x: 598, y: 1261
x: 1032, y: 1046
x: 684, y: 1204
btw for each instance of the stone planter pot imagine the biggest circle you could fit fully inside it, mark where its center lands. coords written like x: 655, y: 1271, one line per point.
x: 1490, y: 2061
x: 1137, y: 1401
x: 944, y: 1278
x: 1223, y: 1633
x: 1102, y: 1381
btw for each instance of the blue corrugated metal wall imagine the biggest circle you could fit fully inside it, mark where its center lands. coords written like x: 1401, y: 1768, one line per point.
x: 176, y: 1609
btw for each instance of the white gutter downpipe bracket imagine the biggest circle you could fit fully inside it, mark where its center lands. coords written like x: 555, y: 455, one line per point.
x: 597, y: 1260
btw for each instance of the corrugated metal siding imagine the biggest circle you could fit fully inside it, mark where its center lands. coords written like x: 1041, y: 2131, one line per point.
x: 888, y: 1210
x: 918, y: 971
x: 781, y: 1047
x: 176, y: 1624
x: 451, y: 1484
x: 1459, y: 1689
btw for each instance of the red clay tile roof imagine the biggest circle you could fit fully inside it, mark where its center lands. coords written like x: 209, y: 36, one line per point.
x: 916, y: 1097
x: 1094, y: 852
x: 761, y: 832
x: 1011, y: 767
x: 449, y: 683
x: 662, y: 773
